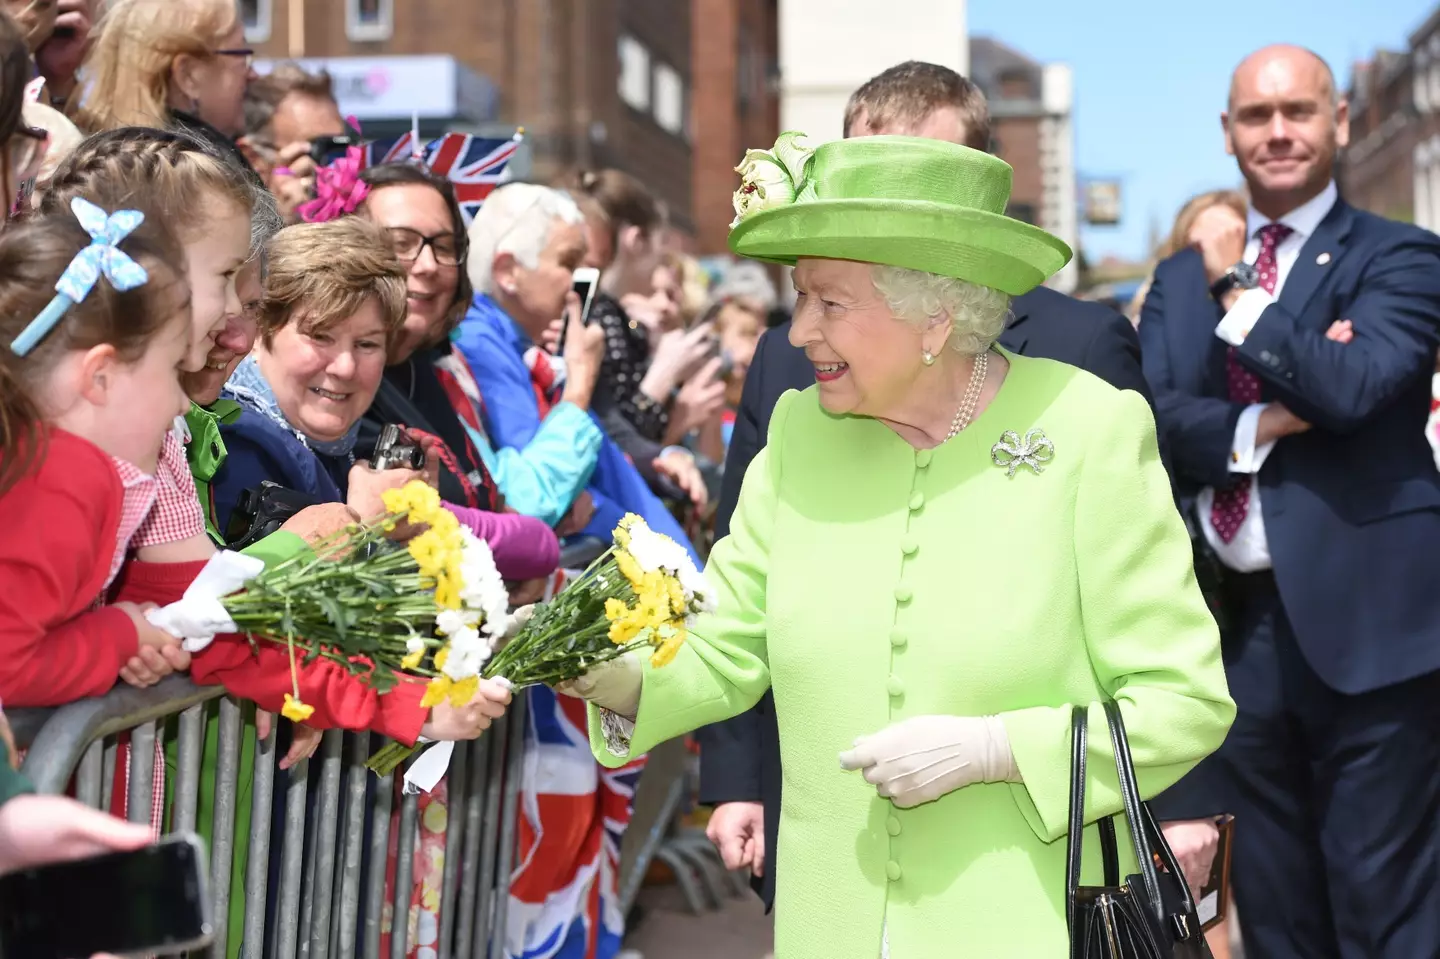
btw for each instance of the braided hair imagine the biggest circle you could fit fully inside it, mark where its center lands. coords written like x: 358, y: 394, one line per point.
x: 165, y: 174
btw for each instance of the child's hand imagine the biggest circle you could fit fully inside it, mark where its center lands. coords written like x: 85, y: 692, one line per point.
x: 303, y: 741
x: 160, y: 653
x: 469, y: 721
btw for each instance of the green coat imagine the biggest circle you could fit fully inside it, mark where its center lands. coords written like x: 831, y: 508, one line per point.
x: 868, y: 582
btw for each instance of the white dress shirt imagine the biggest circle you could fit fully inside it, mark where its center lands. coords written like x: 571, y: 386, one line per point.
x: 1249, y: 551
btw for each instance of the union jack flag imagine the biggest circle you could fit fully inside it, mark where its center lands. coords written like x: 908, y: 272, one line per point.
x: 475, y: 165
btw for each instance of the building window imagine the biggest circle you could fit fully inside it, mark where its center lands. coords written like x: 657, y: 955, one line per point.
x: 256, y: 15
x: 370, y: 19
x: 669, y: 99
x: 634, y: 73
x: 1024, y: 212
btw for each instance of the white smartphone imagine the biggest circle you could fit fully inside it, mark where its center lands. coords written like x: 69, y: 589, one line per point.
x: 585, y: 281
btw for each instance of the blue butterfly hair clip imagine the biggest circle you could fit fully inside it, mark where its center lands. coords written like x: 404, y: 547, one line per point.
x: 102, y: 257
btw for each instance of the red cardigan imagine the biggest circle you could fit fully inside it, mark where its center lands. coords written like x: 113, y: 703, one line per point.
x: 57, y: 535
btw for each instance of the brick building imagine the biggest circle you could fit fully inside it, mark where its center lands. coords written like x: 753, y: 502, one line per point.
x: 1424, y: 75
x: 1031, y: 129
x: 595, y: 83
x: 1377, y: 169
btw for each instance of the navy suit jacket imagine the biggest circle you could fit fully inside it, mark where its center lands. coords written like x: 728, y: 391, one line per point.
x: 1351, y: 507
x: 740, y: 758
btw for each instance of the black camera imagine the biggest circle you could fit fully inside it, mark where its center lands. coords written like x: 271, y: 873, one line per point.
x: 261, y: 511
x: 395, y: 450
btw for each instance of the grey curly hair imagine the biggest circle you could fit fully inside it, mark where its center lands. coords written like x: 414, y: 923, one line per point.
x: 978, y: 313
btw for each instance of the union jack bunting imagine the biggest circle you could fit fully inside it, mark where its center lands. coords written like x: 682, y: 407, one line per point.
x: 475, y: 165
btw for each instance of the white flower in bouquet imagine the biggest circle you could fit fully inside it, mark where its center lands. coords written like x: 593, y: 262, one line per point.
x: 482, y: 587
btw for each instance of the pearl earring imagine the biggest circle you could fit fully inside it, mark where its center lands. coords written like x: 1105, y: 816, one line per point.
x: 927, y: 358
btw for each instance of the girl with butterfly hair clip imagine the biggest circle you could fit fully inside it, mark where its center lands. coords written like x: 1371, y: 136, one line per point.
x: 94, y: 324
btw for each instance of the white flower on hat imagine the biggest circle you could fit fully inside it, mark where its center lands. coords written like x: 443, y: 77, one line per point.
x: 772, y: 178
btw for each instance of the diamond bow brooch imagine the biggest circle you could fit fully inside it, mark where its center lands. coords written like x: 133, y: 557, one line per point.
x: 1013, y: 452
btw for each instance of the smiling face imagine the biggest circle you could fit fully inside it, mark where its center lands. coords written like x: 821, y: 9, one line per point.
x: 866, y: 360
x: 407, y: 211
x: 1284, y: 126
x: 233, y: 343
x: 325, y: 380
x: 213, y: 259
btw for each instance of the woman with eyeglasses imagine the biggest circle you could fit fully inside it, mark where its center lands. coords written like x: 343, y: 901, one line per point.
x: 179, y: 64
x: 426, y: 390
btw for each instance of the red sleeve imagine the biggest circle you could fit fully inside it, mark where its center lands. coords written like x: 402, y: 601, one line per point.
x: 158, y: 583
x: 57, y: 531
x: 341, y: 700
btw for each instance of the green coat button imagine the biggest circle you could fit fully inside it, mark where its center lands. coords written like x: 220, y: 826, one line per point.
x: 894, y: 687
x: 903, y: 594
x: 897, y: 638
x: 917, y: 500
x: 922, y: 459
x: 909, y: 546
x: 892, y: 826
x: 892, y: 871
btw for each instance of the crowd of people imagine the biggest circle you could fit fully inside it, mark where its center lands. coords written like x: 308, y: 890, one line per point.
x: 207, y: 335
x: 220, y: 361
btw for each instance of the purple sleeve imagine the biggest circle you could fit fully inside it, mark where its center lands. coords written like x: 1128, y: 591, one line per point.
x: 524, y: 547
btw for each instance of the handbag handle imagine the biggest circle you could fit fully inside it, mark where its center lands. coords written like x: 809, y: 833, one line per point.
x: 1079, y: 721
x: 1142, y: 822
x: 1136, y: 816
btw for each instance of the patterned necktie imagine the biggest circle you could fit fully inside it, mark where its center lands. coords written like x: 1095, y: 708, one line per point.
x: 1231, y: 506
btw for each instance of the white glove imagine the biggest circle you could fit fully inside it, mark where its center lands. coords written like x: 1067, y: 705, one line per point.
x: 517, y: 622
x: 921, y: 759
x: 614, y: 686
x: 199, y: 616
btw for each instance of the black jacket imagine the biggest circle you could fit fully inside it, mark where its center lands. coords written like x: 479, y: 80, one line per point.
x: 740, y: 758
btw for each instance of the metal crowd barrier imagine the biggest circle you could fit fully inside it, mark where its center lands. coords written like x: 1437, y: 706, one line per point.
x: 323, y: 856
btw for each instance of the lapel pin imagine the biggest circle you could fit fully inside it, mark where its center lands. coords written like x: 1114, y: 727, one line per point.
x: 1322, y: 259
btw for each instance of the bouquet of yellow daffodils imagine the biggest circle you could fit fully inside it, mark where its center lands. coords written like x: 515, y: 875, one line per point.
x: 364, y: 602
x: 643, y: 593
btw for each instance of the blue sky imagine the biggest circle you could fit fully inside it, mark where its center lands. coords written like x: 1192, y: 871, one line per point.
x: 1151, y: 77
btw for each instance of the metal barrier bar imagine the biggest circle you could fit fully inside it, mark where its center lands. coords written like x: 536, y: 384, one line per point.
x: 292, y: 863
x: 322, y: 892
x: 257, y: 866
x: 335, y: 843
x: 404, y: 875
x: 379, y: 852
x: 59, y: 744
x: 140, y: 796
x: 514, y: 768
x: 222, y: 842
x: 353, y: 852
x: 187, y: 771
x: 456, y: 783
x: 470, y: 876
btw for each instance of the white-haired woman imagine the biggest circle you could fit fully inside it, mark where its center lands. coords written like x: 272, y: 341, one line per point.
x: 524, y: 245
x: 942, y: 547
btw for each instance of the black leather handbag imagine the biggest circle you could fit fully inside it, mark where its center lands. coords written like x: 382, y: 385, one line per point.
x: 1152, y: 914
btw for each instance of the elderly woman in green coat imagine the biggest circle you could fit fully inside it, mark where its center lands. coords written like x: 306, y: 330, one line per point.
x: 942, y: 548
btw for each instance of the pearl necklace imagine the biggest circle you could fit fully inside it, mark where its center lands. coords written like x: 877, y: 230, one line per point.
x: 966, y: 412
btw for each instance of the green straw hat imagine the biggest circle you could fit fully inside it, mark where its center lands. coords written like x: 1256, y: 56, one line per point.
x: 902, y: 201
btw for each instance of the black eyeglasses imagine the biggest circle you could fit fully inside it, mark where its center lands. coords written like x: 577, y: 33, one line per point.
x: 245, y: 52
x: 409, y: 244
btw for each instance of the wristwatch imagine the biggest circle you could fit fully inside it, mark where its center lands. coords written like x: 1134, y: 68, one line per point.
x: 1241, y: 276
